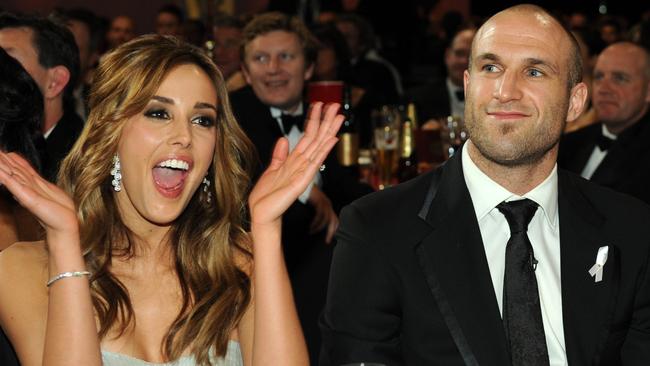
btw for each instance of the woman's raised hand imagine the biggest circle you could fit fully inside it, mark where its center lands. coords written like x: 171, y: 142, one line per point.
x: 289, y: 174
x: 47, y: 202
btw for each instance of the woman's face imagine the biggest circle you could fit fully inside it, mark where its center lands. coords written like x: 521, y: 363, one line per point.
x: 166, y: 149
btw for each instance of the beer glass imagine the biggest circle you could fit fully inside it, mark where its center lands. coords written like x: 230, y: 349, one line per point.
x: 386, y: 129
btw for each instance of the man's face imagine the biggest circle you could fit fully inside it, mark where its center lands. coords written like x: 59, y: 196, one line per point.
x: 457, y: 56
x: 516, y: 92
x: 18, y: 44
x: 276, y: 69
x: 81, y: 35
x: 121, y: 31
x: 167, y: 24
x: 226, y: 49
x: 621, y: 86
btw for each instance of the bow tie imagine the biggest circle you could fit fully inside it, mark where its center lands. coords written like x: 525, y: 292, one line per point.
x: 288, y: 121
x: 604, y: 142
x: 460, y: 95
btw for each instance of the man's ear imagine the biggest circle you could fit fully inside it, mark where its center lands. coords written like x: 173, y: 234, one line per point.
x: 309, y: 71
x: 244, y: 72
x: 57, y: 79
x: 577, y: 101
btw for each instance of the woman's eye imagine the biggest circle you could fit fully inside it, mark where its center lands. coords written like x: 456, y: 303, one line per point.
x: 204, y: 121
x: 157, y: 114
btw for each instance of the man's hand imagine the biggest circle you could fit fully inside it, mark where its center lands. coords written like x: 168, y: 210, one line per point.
x: 325, y: 215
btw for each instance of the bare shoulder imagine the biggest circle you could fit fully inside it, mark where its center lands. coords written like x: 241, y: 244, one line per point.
x: 23, y: 295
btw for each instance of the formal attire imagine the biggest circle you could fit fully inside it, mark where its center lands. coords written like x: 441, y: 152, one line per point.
x: 59, y: 141
x: 623, y: 166
x: 307, y: 256
x: 232, y: 357
x: 414, y: 280
x: 438, y: 99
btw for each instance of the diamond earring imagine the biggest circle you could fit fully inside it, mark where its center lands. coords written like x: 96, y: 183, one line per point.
x: 117, y: 174
x: 206, y: 189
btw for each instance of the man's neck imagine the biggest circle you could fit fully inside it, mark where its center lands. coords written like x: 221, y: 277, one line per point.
x: 518, y: 179
x: 618, y: 128
x: 52, y: 114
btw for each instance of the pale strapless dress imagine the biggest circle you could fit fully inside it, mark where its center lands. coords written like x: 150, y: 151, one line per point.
x: 232, y: 358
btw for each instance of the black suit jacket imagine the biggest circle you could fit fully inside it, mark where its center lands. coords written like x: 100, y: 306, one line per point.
x: 59, y: 143
x: 431, y: 100
x: 410, y: 283
x: 625, y: 168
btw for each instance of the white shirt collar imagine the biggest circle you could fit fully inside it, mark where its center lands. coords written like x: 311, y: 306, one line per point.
x: 606, y: 132
x: 277, y: 112
x: 486, y: 194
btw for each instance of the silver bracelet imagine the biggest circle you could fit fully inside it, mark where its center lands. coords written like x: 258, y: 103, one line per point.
x: 63, y: 275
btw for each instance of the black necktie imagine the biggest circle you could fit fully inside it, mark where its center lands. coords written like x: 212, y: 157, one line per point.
x: 604, y: 142
x: 522, y: 315
x: 288, y: 121
x: 460, y: 95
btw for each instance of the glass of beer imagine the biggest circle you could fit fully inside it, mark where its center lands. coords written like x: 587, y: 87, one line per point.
x: 386, y: 128
x: 453, y: 135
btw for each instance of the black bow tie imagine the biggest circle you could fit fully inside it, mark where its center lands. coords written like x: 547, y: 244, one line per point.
x: 460, y: 95
x: 288, y: 121
x: 604, y: 142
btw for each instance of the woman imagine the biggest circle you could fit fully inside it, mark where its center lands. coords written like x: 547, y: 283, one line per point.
x: 21, y: 112
x: 162, y: 233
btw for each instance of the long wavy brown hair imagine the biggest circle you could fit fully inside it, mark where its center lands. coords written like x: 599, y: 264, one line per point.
x: 207, y: 239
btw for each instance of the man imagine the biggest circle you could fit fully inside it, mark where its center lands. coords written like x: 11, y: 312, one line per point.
x: 616, y: 152
x: 443, y: 98
x: 278, y: 54
x: 121, y: 30
x: 49, y: 54
x: 227, y: 34
x: 169, y: 21
x: 493, y: 259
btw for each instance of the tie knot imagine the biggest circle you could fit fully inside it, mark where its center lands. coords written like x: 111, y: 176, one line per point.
x: 288, y: 121
x: 604, y: 142
x: 518, y: 214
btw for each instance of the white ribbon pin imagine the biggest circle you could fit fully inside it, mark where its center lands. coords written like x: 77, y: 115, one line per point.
x: 601, y: 258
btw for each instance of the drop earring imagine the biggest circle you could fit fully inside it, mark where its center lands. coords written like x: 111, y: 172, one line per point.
x: 116, y: 172
x: 206, y: 189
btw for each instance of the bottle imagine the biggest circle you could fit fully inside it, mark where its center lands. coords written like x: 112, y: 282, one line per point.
x: 408, y: 166
x: 348, y: 145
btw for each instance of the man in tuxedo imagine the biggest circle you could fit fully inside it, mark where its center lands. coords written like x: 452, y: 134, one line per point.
x: 50, y: 55
x: 278, y: 56
x: 498, y: 257
x: 616, y: 152
x: 445, y: 97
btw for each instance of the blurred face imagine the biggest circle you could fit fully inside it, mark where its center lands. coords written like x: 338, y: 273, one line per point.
x: 167, y: 24
x: 18, y: 44
x: 326, y: 65
x: 81, y: 35
x: 166, y: 149
x: 352, y: 37
x: 276, y: 69
x: 121, y: 31
x: 516, y: 92
x: 621, y: 90
x: 226, y: 49
x: 457, y: 56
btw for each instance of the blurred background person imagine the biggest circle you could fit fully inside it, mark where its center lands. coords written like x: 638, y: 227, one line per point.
x: 169, y: 20
x: 616, y: 152
x: 227, y: 36
x: 121, y: 30
x: 50, y: 55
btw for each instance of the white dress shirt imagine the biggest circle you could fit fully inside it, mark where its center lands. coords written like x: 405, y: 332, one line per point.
x: 456, y: 106
x: 597, y: 156
x: 544, y: 235
x: 294, y: 136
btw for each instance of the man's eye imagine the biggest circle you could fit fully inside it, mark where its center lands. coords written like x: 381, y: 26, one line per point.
x: 260, y: 58
x: 490, y: 68
x: 286, y: 56
x: 204, y: 121
x: 157, y: 114
x: 535, y: 73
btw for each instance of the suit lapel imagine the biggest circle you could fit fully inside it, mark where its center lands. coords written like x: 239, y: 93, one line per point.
x: 587, y: 306
x: 453, y: 259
